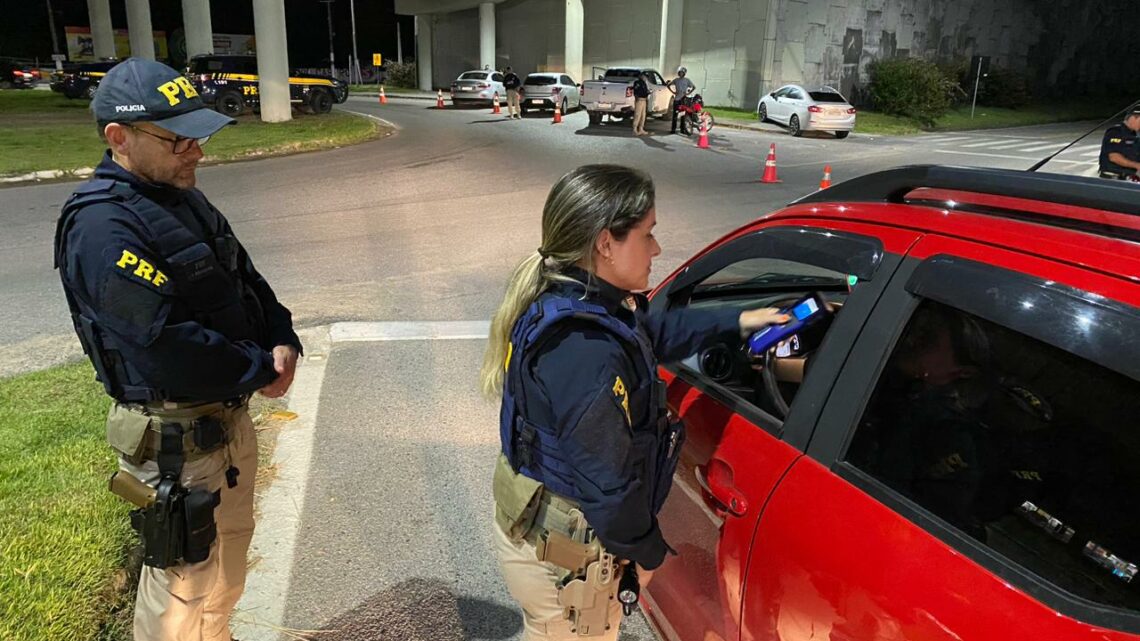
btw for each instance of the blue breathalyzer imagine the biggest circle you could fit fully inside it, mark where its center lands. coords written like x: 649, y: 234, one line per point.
x: 804, y: 312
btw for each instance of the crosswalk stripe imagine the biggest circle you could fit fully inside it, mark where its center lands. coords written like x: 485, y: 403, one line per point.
x: 1080, y: 149
x: 1091, y: 154
x: 944, y: 139
x: 1036, y: 147
x: 988, y: 143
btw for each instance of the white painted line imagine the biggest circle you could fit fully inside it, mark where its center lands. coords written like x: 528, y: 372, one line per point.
x: 1006, y: 156
x: 410, y: 331
x: 1049, y: 147
x: 944, y: 139
x: 259, y: 615
x: 988, y: 143
x: 1091, y: 154
x: 1083, y: 149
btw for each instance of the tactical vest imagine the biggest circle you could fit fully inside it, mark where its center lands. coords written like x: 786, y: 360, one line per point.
x: 532, y: 448
x: 205, y: 273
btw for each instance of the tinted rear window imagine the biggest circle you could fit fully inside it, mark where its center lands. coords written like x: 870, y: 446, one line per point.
x: 539, y: 80
x: 826, y: 96
x: 474, y: 75
x: 622, y: 74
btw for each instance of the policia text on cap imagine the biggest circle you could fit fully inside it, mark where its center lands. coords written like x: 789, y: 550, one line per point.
x: 588, y: 452
x: 181, y: 329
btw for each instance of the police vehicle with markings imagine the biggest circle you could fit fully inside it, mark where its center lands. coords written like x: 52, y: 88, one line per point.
x: 229, y: 84
x: 82, y: 80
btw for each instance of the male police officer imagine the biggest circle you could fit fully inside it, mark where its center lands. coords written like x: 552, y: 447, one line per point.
x: 181, y: 329
x: 640, y: 105
x: 1119, y: 151
x: 512, y: 83
x: 681, y: 87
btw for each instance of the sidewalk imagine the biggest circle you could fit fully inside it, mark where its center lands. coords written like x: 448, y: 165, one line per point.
x: 407, y: 94
x: 377, y: 525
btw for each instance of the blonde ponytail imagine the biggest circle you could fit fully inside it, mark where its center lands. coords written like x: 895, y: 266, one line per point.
x: 526, y: 284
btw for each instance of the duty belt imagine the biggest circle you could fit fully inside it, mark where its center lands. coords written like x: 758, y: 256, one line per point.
x: 203, y: 425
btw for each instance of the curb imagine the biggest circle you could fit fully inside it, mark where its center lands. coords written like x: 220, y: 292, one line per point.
x: 376, y: 94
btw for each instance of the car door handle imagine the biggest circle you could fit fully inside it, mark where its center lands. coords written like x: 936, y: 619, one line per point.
x: 720, y: 493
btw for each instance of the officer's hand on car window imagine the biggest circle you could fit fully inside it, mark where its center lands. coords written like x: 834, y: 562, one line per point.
x: 285, y: 364
x: 756, y: 319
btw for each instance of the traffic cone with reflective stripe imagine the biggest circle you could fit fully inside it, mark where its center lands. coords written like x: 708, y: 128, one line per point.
x: 495, y: 104
x: 770, y: 167
x: 383, y: 98
x: 826, y: 182
x: 439, y: 99
x: 557, y: 113
x: 703, y: 141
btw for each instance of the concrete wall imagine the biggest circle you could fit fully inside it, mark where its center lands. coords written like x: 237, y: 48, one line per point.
x: 833, y: 41
x: 734, y: 55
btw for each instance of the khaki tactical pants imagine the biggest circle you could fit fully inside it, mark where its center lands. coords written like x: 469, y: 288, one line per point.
x: 533, y: 584
x: 194, y: 602
x: 639, y: 107
x: 513, y: 103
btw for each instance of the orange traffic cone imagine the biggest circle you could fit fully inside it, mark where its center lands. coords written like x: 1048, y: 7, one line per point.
x: 770, y: 167
x: 383, y: 98
x: 439, y: 99
x: 495, y: 104
x: 826, y: 182
x: 557, y: 113
x: 703, y: 141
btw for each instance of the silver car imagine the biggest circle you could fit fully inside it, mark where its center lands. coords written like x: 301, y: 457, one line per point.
x: 479, y: 86
x: 544, y: 90
x: 823, y: 109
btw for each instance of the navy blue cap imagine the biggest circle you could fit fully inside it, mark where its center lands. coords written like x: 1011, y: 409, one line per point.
x: 138, y: 90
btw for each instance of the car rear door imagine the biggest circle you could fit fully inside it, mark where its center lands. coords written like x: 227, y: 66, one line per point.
x: 971, y: 472
x: 737, y: 449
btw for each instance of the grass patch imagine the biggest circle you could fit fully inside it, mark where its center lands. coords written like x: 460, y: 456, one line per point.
x: 63, y: 536
x: 45, y: 131
x: 372, y: 88
x: 958, y: 119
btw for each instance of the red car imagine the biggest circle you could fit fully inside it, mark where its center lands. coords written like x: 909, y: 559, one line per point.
x: 947, y: 449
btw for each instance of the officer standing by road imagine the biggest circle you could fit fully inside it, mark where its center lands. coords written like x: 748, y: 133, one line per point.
x: 1119, y: 151
x: 588, y: 452
x: 640, y: 104
x: 512, y: 83
x: 181, y: 329
x: 681, y: 87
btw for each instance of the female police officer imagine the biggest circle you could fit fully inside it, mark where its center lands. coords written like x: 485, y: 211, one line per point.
x: 588, y: 454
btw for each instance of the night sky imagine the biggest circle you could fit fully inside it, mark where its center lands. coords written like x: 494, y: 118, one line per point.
x: 24, y: 31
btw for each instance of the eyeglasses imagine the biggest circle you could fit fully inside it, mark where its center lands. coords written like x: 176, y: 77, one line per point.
x: 178, y: 144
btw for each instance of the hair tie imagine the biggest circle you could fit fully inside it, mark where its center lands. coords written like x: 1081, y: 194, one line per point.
x: 542, y: 252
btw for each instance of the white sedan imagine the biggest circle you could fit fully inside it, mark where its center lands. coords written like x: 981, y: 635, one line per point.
x: 478, y: 86
x: 823, y: 109
x: 544, y: 90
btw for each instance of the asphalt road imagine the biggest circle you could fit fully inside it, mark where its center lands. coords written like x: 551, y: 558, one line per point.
x: 427, y: 223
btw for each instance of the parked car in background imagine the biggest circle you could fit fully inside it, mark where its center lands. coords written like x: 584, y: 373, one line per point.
x: 230, y: 84
x: 543, y: 90
x: 17, y: 75
x: 612, y: 94
x: 942, y: 447
x: 479, y: 86
x: 83, y: 79
x: 823, y: 109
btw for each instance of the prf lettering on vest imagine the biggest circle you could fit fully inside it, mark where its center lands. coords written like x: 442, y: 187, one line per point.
x: 142, y: 269
x: 172, y: 88
x: 621, y: 392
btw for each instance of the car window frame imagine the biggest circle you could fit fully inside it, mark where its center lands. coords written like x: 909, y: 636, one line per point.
x: 567, y: 80
x: 498, y: 77
x: 917, y: 281
x: 874, y: 273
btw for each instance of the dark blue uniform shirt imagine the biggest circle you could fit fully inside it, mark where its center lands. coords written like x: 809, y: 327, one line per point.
x: 1122, y: 140
x: 152, y: 329
x: 576, y: 369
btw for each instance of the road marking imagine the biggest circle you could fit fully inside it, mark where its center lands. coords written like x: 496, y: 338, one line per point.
x: 262, y: 607
x: 1008, y: 157
x: 409, y: 331
x: 944, y: 139
x: 987, y: 143
x: 1085, y: 148
x: 1054, y: 145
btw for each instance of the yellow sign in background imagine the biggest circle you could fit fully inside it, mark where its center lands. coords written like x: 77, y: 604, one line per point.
x: 376, y: 62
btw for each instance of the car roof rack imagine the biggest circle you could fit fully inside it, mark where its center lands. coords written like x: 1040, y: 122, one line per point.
x: 893, y: 186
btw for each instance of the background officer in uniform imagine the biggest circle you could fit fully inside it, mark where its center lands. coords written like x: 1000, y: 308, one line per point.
x: 588, y: 452
x: 181, y: 329
x: 681, y: 87
x: 1119, y: 154
x: 640, y: 104
x: 512, y: 83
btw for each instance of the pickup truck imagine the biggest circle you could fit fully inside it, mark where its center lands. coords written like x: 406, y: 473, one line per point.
x: 612, y: 94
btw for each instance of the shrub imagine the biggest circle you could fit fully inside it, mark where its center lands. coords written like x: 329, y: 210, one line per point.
x: 401, y: 75
x: 910, y: 87
x: 1003, y: 88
